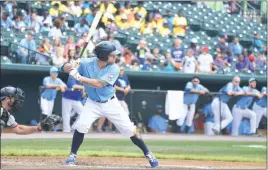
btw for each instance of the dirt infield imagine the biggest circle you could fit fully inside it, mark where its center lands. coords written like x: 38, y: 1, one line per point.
x: 118, y: 163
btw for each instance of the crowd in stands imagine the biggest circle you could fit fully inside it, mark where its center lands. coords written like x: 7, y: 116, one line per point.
x: 122, y: 15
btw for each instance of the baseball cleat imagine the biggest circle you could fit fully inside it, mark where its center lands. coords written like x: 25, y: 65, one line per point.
x: 71, y: 161
x: 216, y: 131
x: 152, y: 160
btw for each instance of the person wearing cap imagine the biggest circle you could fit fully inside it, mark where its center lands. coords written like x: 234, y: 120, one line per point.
x: 27, y: 45
x: 260, y: 107
x: 122, y: 87
x: 222, y: 113
x: 136, y: 22
x: 194, y: 47
x: 123, y: 23
x: 51, y: 85
x: 191, y: 94
x: 222, y: 45
x: 205, y: 61
x: 179, y: 24
x: 157, y: 123
x: 241, y: 108
x: 257, y: 43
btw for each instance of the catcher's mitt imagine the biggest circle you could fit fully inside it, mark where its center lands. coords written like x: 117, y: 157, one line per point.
x: 50, y: 122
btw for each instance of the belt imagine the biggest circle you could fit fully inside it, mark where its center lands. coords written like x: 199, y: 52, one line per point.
x: 106, y: 100
x: 241, y: 107
x: 47, y: 99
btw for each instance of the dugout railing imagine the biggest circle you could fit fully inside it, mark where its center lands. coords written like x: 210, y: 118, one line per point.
x: 142, y: 103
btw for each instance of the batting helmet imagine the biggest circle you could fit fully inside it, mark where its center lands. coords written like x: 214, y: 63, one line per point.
x: 15, y: 93
x: 105, y: 49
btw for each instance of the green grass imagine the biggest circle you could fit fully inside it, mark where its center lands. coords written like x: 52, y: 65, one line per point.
x: 185, y: 150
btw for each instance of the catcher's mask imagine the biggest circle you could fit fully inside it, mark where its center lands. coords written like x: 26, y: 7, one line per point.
x: 16, y: 96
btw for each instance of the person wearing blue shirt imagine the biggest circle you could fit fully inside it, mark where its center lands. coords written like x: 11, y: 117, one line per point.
x: 177, y: 52
x: 71, y: 101
x: 157, y: 123
x: 241, y: 108
x: 257, y: 43
x: 98, y: 75
x: 219, y: 104
x: 51, y: 85
x: 81, y: 27
x: 209, y: 119
x: 235, y: 47
x: 191, y: 94
x: 260, y: 106
x: 5, y: 20
x: 25, y: 44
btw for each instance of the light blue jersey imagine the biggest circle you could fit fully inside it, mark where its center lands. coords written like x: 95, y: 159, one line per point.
x: 224, y: 97
x: 208, y: 113
x: 50, y: 94
x: 90, y: 69
x: 190, y: 98
x: 263, y: 101
x: 245, y: 101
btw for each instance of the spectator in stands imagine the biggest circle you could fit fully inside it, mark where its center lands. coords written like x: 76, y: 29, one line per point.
x: 90, y: 16
x: 54, y: 11
x: 260, y: 62
x: 158, y: 18
x: 18, y: 24
x: 75, y: 8
x: 57, y: 53
x: 257, y: 43
x: 179, y: 24
x: 165, y: 31
x: 64, y: 24
x: 169, y: 18
x: 189, y: 62
x: 127, y: 55
x: 100, y: 33
x: 128, y: 9
x: 147, y: 66
x: 108, y: 7
x: 222, y: 45
x: 157, y: 57
x: 9, y: 7
x: 123, y: 23
x: 235, y: 47
x: 32, y: 23
x: 230, y: 57
x: 5, y: 20
x: 218, y: 63
x: 140, y: 9
x: 45, y: 48
x: 45, y: 27
x: 135, y: 65
x: 194, y: 47
x: 141, y: 51
x: 117, y: 43
x: 177, y: 52
x: 55, y: 32
x: 45, y: 18
x: 146, y: 28
x: 241, y: 65
x: 169, y: 64
x: 81, y: 27
x: 157, y: 123
x: 82, y: 41
x: 71, y: 55
x: 29, y: 44
x: 205, y: 61
x: 70, y: 45
x: 136, y: 22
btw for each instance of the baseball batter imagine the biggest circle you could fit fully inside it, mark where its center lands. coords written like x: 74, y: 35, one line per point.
x: 260, y: 107
x: 98, y: 74
x: 192, y: 91
x: 52, y: 84
x: 12, y: 99
x: 219, y: 104
x: 241, y: 110
x: 71, y: 102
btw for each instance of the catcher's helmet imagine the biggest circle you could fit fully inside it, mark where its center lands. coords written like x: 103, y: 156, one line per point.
x: 15, y: 93
x: 105, y: 49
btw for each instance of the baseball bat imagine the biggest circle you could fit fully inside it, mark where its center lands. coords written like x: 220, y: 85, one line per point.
x: 92, y: 30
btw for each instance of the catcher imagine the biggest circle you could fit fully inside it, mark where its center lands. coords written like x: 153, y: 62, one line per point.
x: 11, y: 99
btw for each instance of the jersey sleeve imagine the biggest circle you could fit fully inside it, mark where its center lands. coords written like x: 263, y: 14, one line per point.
x: 201, y: 87
x: 188, y: 87
x: 11, y: 122
x: 45, y: 81
x: 111, y: 75
x: 256, y: 92
x: 245, y: 89
x: 60, y: 82
x: 229, y: 87
x: 264, y: 90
